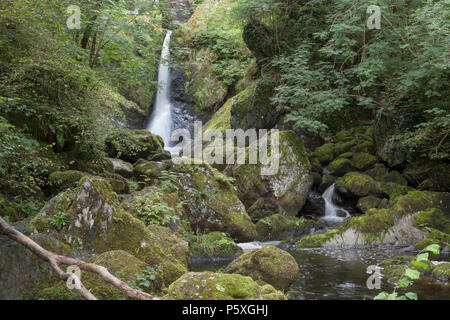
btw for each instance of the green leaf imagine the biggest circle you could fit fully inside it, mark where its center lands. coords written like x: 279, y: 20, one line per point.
x: 404, y: 282
x: 382, y: 296
x: 433, y: 248
x: 412, y: 274
x: 411, y: 295
x: 422, y: 257
x: 420, y: 264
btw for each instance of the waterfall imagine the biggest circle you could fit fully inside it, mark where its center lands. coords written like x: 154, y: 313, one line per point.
x: 332, y: 212
x: 161, y: 119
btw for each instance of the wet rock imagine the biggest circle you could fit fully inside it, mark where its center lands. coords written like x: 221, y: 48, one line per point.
x: 270, y: 264
x: 315, y: 205
x: 121, y: 167
x: 219, y: 286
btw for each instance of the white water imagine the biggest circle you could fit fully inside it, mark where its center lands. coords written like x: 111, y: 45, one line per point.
x: 161, y: 119
x: 248, y: 246
x: 331, y: 210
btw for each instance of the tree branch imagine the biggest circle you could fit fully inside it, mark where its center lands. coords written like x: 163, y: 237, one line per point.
x: 56, y: 261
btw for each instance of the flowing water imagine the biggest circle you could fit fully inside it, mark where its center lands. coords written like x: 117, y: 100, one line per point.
x: 161, y: 119
x: 333, y: 213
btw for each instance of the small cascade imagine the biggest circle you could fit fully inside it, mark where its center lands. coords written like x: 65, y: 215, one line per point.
x: 161, y: 119
x: 333, y: 213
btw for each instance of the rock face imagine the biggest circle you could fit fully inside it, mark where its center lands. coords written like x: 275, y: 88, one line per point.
x: 286, y: 190
x: 419, y: 218
x: 218, y: 286
x: 270, y: 264
x: 132, y: 145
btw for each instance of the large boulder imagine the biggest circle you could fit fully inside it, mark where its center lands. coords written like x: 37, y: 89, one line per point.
x: 357, y: 185
x: 219, y: 286
x: 270, y: 264
x: 287, y: 189
x: 132, y: 145
x: 121, y: 167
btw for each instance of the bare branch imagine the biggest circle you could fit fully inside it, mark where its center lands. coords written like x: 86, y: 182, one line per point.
x: 56, y: 261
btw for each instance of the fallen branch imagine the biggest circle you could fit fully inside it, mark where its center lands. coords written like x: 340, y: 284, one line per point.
x: 56, y: 261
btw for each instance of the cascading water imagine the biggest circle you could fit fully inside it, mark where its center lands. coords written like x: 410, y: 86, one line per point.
x: 333, y: 213
x: 161, y: 119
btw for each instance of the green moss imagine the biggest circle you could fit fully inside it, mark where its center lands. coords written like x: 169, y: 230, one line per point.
x: 340, y: 166
x: 214, y: 245
x: 374, y: 224
x: 217, y: 286
x: 343, y: 147
x: 270, y: 264
x: 277, y: 227
x: 364, y: 161
x: 434, y: 237
x: 325, y: 153
x: 221, y: 119
x: 357, y: 185
x: 433, y: 218
x: 62, y: 180
x: 393, y: 190
x: 317, y: 240
x: 366, y: 203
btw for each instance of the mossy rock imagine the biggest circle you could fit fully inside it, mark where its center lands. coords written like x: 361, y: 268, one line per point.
x: 214, y: 245
x: 317, y: 240
x: 287, y: 187
x: 278, y: 227
x: 442, y: 272
x: 340, y: 166
x: 364, y: 161
x: 118, y: 183
x: 343, y: 147
x: 219, y: 286
x: 63, y: 180
x: 369, y: 202
x: 132, y: 145
x: 325, y: 153
x: 148, y: 170
x: 357, y: 185
x: 122, y: 265
x: 94, y: 221
x: 270, y: 264
x: 327, y: 181
x: 394, y: 190
x: 121, y: 167
x: 433, y: 218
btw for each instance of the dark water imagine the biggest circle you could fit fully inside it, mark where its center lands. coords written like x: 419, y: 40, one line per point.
x: 341, y: 275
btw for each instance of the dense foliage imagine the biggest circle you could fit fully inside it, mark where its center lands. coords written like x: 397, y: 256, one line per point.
x: 332, y: 66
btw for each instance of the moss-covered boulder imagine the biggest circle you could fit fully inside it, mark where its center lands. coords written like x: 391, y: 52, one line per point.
x: 394, y: 190
x: 356, y: 185
x: 90, y: 218
x: 278, y: 227
x: 442, y: 272
x: 219, y: 286
x: 63, y: 180
x: 325, y: 153
x: 287, y: 189
x: 364, y: 161
x: 132, y: 145
x: 118, y: 183
x: 270, y: 264
x: 121, y: 167
x: 214, y: 245
x: 409, y: 221
x: 340, y: 166
x: 122, y: 265
x: 370, y: 202
x: 145, y: 171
